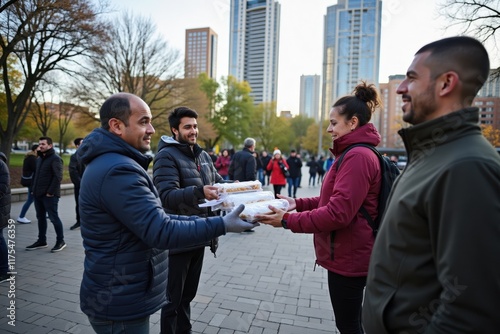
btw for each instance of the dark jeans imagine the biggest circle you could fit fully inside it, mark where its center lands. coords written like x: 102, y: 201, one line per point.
x: 27, y: 204
x: 136, y: 326
x: 277, y: 189
x: 77, y: 207
x: 48, y: 205
x: 346, y: 295
x: 184, y: 270
x: 261, y: 177
x: 293, y: 184
x: 312, y: 177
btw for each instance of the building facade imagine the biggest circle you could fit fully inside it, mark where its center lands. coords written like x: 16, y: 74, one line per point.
x: 310, y: 89
x: 389, y: 119
x: 201, y: 53
x: 254, y: 46
x: 351, y: 48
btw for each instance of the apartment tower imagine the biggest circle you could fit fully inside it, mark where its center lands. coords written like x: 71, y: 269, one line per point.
x: 351, y: 48
x: 254, y: 46
x: 201, y: 53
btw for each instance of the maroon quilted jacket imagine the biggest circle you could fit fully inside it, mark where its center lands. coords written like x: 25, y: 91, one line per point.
x: 357, y: 182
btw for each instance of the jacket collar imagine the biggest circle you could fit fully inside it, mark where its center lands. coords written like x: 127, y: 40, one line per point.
x: 423, y: 138
x: 367, y: 134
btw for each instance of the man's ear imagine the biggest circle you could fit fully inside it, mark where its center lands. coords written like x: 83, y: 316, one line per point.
x: 448, y: 82
x: 116, y: 126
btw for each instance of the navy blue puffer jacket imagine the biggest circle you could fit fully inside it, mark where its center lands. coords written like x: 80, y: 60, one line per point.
x: 125, y: 229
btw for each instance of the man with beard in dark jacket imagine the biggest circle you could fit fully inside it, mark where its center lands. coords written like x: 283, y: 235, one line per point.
x: 125, y: 230
x: 46, y: 192
x: 184, y: 175
x: 243, y: 165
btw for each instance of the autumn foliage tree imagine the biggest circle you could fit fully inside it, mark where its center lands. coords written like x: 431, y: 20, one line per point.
x: 40, y: 37
x: 491, y: 134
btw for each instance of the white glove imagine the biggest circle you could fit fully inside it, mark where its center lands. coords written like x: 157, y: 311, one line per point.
x: 234, y: 223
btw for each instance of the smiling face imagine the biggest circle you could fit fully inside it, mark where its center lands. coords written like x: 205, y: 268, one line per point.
x: 187, y: 132
x: 418, y: 91
x: 139, y: 130
x: 339, y: 125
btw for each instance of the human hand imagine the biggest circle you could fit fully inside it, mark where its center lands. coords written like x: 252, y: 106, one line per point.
x: 210, y: 192
x: 273, y: 218
x: 234, y: 223
x: 291, y: 202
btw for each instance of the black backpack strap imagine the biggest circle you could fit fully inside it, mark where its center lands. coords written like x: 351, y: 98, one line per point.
x: 362, y: 209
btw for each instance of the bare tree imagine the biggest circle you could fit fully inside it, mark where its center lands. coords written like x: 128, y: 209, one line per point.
x: 135, y: 60
x: 43, y: 36
x: 478, y: 17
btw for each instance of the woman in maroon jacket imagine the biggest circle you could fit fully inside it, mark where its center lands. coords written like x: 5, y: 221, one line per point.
x: 343, y: 239
x: 222, y: 164
x: 277, y: 167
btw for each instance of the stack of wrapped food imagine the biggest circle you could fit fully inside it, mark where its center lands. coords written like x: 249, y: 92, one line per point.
x: 251, y: 194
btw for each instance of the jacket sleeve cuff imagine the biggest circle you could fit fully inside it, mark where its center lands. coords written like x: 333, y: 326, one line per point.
x: 198, y: 192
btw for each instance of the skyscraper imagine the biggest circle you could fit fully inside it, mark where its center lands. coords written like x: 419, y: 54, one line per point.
x: 201, y: 53
x: 254, y: 45
x: 351, y: 48
x: 310, y: 88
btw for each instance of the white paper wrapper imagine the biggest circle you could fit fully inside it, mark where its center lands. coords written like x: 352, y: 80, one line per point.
x: 238, y: 187
x: 232, y: 200
x: 257, y: 208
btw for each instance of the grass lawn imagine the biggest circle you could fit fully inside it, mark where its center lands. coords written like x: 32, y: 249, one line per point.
x: 16, y: 169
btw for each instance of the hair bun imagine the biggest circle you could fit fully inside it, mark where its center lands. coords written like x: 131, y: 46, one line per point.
x: 368, y: 94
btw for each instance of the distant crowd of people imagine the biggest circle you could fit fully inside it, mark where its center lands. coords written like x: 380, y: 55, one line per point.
x: 429, y: 268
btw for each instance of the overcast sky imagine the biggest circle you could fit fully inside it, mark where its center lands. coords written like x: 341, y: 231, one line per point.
x: 406, y: 26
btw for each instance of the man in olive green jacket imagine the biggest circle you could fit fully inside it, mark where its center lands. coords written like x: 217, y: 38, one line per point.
x: 434, y: 266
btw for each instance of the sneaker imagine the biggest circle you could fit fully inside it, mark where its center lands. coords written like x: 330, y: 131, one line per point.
x: 4, y: 277
x: 75, y: 227
x: 58, y: 247
x: 249, y: 231
x: 36, y: 245
x: 23, y: 220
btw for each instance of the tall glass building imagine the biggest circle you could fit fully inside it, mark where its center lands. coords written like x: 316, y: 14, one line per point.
x: 310, y: 89
x: 254, y: 46
x: 351, y: 48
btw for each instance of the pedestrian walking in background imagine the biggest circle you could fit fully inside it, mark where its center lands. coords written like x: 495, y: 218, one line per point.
x: 265, y: 158
x: 321, y: 170
x: 76, y: 170
x: 222, y: 164
x: 258, y: 166
x: 212, y: 155
x: 434, y: 263
x: 343, y: 238
x: 46, y: 192
x: 294, y: 167
x: 124, y: 227
x: 29, y: 168
x: 185, y: 176
x: 278, y: 168
x: 313, y: 170
x: 328, y: 163
x: 5, y: 203
x: 243, y: 165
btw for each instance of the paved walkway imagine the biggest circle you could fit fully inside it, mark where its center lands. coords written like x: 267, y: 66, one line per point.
x: 262, y: 283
